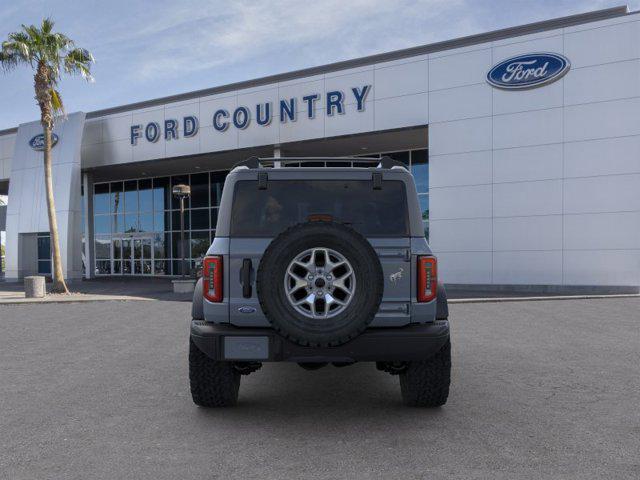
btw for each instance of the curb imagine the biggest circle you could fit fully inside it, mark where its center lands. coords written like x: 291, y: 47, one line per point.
x: 539, y: 299
x: 39, y: 301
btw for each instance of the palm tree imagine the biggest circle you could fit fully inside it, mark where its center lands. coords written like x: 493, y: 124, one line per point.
x: 49, y: 54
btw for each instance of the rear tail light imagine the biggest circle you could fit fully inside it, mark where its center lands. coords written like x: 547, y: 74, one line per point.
x: 427, y: 278
x: 212, y: 279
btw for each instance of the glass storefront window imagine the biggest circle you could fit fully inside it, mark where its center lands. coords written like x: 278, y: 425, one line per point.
x: 103, y: 267
x: 200, y: 219
x: 175, y: 245
x: 161, y: 267
x: 145, y: 208
x: 420, y: 169
x: 200, y: 190
x: 399, y: 156
x: 145, y: 195
x: 145, y: 222
x: 161, y: 194
x: 117, y: 223
x: 214, y: 218
x: 217, y: 182
x: 131, y: 223
x: 116, y: 197
x: 103, y: 247
x: 101, y: 198
x: 424, y: 208
x: 160, y: 242
x: 199, y: 244
x: 175, y: 220
x: 160, y: 220
x: 131, y: 196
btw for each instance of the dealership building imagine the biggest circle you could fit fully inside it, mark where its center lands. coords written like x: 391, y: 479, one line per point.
x: 524, y: 144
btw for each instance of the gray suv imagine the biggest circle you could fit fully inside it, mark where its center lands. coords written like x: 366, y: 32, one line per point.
x: 318, y: 261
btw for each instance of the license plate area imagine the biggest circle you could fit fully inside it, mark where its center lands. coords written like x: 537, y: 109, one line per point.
x: 246, y: 347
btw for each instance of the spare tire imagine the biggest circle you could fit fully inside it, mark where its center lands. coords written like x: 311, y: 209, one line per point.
x: 320, y: 283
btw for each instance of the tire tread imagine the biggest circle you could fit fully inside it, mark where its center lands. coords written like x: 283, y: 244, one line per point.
x: 426, y: 383
x: 213, y: 383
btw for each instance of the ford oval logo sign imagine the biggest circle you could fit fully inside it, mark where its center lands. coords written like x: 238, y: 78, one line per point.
x: 528, y: 71
x: 37, y: 142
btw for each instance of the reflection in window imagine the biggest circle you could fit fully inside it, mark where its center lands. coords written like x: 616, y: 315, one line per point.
x: 145, y: 222
x: 175, y: 221
x: 420, y: 169
x: 101, y: 224
x: 130, y: 222
x: 200, y: 219
x: 424, y: 208
x: 199, y: 244
x: 131, y: 196
x: 161, y: 194
x: 116, y: 197
x: 145, y: 195
x: 103, y: 247
x: 200, y: 190
x: 217, y: 182
x: 117, y: 223
x: 101, y: 198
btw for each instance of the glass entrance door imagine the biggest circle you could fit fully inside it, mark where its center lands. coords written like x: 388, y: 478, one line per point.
x: 132, y: 255
x: 142, y: 256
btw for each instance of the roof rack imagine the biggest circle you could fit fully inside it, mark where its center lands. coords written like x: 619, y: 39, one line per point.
x: 272, y: 162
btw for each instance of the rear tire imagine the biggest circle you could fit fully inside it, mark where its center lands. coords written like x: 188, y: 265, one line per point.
x: 426, y: 383
x: 213, y: 383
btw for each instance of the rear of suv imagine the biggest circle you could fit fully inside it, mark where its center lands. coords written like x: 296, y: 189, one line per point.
x: 318, y: 261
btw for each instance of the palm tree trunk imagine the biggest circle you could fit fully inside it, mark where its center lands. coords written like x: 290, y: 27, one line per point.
x: 59, y: 285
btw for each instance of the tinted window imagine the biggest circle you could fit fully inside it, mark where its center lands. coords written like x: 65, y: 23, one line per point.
x: 284, y: 203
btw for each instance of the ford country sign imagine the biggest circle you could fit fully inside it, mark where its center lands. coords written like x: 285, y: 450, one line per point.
x: 37, y: 142
x: 528, y: 71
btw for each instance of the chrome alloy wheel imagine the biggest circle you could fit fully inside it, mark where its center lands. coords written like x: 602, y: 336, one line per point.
x: 319, y: 283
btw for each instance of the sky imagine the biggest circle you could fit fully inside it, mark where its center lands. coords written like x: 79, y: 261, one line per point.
x: 150, y: 49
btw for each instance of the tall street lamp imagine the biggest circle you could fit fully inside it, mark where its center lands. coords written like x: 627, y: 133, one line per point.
x: 182, y: 192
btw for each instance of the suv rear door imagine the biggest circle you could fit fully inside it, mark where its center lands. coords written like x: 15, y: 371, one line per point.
x: 266, y: 206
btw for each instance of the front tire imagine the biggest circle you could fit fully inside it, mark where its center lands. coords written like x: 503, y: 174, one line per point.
x: 425, y: 383
x: 213, y: 383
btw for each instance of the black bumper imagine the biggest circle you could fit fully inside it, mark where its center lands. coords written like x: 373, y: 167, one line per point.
x: 413, y: 342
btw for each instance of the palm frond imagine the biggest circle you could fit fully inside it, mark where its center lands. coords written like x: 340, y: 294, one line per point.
x: 50, y: 53
x: 47, y: 25
x: 78, y: 61
x: 56, y: 101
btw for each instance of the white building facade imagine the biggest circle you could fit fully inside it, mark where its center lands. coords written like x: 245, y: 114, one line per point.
x: 532, y: 182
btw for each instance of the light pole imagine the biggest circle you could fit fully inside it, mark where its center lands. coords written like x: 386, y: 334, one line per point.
x: 182, y: 192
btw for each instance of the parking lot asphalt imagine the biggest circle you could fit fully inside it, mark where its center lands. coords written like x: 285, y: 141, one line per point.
x: 546, y: 389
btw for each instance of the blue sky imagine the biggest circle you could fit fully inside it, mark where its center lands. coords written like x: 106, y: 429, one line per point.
x: 150, y: 49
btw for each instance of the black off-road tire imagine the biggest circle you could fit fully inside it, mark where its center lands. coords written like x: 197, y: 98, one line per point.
x: 425, y: 383
x: 213, y: 383
x: 342, y: 327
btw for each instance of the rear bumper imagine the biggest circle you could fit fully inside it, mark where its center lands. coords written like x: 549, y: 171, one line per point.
x: 413, y: 342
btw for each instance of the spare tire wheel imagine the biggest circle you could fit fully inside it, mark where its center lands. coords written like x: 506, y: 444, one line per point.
x: 320, y: 283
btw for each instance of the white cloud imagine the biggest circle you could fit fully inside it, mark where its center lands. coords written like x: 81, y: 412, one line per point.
x: 202, y: 35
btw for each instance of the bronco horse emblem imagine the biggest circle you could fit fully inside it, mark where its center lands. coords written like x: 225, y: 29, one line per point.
x: 394, y: 277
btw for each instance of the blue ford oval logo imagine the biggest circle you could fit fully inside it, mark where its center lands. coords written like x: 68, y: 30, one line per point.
x: 246, y: 309
x: 528, y: 71
x: 37, y: 142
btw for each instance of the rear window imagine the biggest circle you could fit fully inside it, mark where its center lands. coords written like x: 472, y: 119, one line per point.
x: 266, y: 213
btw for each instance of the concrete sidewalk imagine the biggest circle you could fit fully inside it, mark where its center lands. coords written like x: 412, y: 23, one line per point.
x: 136, y: 289
x: 96, y: 290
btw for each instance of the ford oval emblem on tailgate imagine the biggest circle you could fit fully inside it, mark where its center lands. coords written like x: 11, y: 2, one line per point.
x: 246, y: 309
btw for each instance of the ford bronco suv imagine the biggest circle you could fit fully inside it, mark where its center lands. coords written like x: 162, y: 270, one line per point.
x: 318, y: 261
